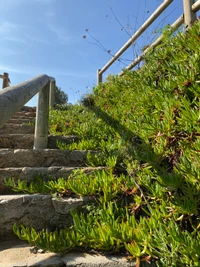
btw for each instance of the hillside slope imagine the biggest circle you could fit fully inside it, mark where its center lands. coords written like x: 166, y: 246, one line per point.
x: 146, y: 126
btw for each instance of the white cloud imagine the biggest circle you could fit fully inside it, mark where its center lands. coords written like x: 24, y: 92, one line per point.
x: 5, y: 68
x: 7, y: 51
x: 7, y: 27
x: 33, y: 71
x: 50, y: 14
x: 14, y: 39
x: 38, y: 39
x: 60, y: 33
x: 80, y: 74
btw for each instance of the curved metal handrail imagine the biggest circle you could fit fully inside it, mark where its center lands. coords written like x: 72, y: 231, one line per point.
x: 13, y: 98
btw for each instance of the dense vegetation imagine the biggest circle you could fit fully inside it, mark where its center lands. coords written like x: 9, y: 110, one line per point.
x: 146, y: 125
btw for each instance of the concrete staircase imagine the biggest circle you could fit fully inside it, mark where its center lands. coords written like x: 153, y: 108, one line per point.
x: 20, y: 161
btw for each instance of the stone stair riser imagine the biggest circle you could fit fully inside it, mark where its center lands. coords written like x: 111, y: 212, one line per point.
x: 16, y: 141
x: 28, y: 174
x: 25, y: 114
x: 26, y: 141
x: 22, y: 121
x: 41, y: 158
x: 37, y: 210
x: 10, y: 128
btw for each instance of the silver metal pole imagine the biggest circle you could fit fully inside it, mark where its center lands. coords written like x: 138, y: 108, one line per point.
x: 147, y: 23
x: 196, y: 6
x: 174, y: 27
x: 189, y: 15
x: 42, y: 116
x: 99, y: 77
x: 52, y: 94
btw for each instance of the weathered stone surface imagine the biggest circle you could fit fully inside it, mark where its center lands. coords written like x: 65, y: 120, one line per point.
x: 53, y: 139
x: 18, y: 254
x: 21, y: 120
x: 29, y: 173
x: 30, y: 210
x: 24, y: 114
x: 42, y: 158
x: 38, y: 211
x: 86, y: 260
x: 10, y: 128
x: 64, y: 205
x: 15, y: 141
x: 25, y: 141
x: 28, y: 109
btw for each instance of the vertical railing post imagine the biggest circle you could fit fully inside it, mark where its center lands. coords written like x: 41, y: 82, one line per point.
x: 189, y: 15
x: 42, y: 116
x: 52, y: 97
x: 5, y: 80
x: 99, y: 77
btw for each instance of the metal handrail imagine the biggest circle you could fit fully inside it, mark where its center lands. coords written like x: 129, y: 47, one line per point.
x: 158, y: 41
x: 190, y: 9
x: 13, y: 98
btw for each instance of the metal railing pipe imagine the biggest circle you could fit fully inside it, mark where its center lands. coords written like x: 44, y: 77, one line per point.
x: 147, y: 23
x: 42, y: 117
x: 158, y: 41
x: 189, y: 15
x: 52, y: 96
x: 99, y: 77
x: 196, y: 6
x: 15, y: 97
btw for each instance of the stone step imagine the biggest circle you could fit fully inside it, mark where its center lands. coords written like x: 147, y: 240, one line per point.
x: 37, y: 210
x: 25, y: 141
x: 20, y: 254
x: 15, y: 141
x: 25, y: 114
x: 29, y: 173
x: 28, y: 109
x: 42, y: 158
x: 10, y: 128
x: 21, y: 120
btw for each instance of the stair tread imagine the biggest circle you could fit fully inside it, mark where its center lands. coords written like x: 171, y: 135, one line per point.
x: 20, y: 121
x: 26, y: 141
x: 19, y: 160
x: 17, y: 128
x: 29, y: 173
x: 42, y: 157
x: 20, y: 253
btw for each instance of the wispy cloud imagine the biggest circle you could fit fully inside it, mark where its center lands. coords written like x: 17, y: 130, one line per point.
x: 7, y: 27
x: 50, y: 14
x: 60, y: 33
x: 5, y: 68
x: 11, y: 32
x: 14, y: 39
x: 80, y: 74
x: 8, y: 52
x: 37, y: 39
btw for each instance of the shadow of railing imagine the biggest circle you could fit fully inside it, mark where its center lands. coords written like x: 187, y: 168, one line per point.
x: 163, y: 166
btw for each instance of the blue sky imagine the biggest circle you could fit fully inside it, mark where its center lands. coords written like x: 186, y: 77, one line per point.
x: 46, y: 36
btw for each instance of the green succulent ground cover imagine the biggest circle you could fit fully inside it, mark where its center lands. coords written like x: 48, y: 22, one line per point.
x: 147, y: 126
